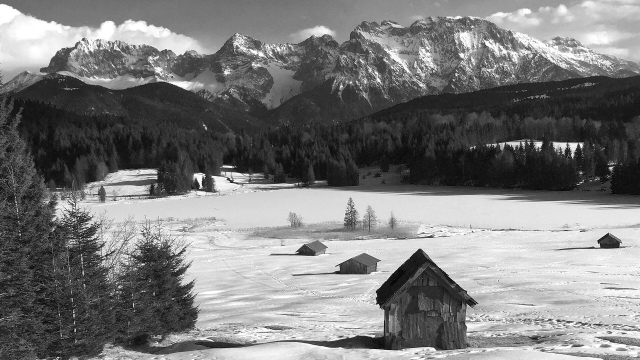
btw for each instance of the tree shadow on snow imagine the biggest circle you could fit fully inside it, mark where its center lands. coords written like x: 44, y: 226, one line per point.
x: 578, y: 248
x: 604, y: 199
x: 590, y: 248
x: 355, y: 342
x: 191, y: 345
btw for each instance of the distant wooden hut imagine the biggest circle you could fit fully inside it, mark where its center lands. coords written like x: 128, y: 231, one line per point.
x: 423, y: 307
x: 312, y: 249
x: 361, y: 264
x: 609, y: 241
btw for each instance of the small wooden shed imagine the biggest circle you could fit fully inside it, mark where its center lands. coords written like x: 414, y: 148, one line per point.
x: 609, y: 241
x: 312, y: 249
x: 361, y: 264
x: 423, y: 306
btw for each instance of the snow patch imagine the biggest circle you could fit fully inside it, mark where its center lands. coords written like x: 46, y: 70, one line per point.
x: 284, y: 85
x: 205, y: 80
x: 117, y: 83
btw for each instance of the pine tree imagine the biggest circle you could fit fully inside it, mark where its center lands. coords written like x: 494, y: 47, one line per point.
x: 26, y: 220
x: 102, y: 194
x: 308, y: 176
x: 351, y: 215
x: 393, y: 222
x: 152, y: 295
x: 84, y: 296
x: 208, y: 183
x: 279, y: 176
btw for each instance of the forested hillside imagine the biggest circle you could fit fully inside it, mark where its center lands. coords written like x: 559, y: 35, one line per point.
x: 67, y: 146
x: 444, y: 139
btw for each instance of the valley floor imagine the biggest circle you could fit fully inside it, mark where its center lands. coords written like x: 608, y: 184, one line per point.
x: 530, y: 259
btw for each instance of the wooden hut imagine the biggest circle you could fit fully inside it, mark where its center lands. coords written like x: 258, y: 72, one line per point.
x: 423, y: 307
x: 609, y: 241
x: 361, y: 264
x: 312, y: 249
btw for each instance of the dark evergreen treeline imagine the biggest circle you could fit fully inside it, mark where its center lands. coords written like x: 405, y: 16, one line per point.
x: 442, y: 139
x: 451, y: 149
x: 67, y: 287
x: 524, y: 166
x: 69, y: 147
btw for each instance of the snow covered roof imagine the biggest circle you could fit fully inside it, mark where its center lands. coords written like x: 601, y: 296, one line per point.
x: 418, y: 263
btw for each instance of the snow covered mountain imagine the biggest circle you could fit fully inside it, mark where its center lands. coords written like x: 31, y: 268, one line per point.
x: 21, y: 82
x: 319, y: 79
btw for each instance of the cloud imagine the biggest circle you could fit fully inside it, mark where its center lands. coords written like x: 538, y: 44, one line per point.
x: 607, y: 26
x: 28, y: 43
x: 306, y: 33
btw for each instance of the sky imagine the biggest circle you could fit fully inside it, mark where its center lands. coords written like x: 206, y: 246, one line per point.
x: 31, y: 31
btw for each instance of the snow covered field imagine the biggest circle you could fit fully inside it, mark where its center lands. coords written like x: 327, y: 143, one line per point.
x: 528, y: 258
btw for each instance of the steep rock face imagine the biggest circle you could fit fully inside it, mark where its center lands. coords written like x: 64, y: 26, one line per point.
x: 380, y: 65
x: 591, y: 62
x: 109, y: 59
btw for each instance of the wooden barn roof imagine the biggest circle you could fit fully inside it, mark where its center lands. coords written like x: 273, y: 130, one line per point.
x: 404, y: 276
x: 610, y: 236
x: 364, y: 259
x: 315, y: 246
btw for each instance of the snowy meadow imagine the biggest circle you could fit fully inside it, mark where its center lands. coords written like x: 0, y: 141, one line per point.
x: 530, y: 258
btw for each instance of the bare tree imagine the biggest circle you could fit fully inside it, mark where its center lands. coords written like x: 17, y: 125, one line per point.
x: 295, y: 220
x: 369, y: 219
x: 117, y: 239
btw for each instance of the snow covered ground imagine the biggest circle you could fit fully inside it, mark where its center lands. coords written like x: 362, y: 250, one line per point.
x: 538, y: 144
x: 528, y: 258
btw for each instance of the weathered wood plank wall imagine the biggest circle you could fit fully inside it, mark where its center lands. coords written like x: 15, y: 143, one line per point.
x: 426, y: 315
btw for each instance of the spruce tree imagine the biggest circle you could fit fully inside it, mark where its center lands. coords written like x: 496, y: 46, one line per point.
x: 393, y: 222
x: 153, y: 298
x: 351, y: 215
x: 308, y: 176
x: 85, y: 294
x: 208, y: 183
x: 26, y: 220
x: 102, y: 194
x: 279, y: 176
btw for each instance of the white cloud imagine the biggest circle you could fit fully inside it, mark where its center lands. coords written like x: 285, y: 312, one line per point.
x: 306, y: 33
x: 607, y: 26
x: 28, y: 43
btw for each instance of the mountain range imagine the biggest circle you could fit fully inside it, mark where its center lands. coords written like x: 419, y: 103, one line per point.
x: 319, y: 79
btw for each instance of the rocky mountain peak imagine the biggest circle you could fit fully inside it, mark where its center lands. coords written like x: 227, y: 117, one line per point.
x: 241, y: 45
x: 191, y: 53
x: 567, y: 45
x: 325, y: 40
x: 564, y: 41
x: 380, y: 65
